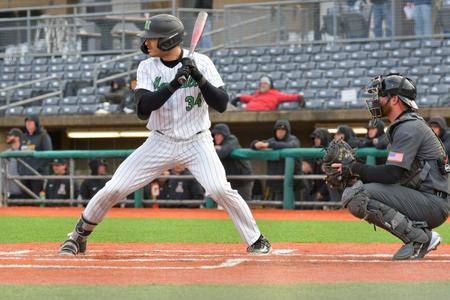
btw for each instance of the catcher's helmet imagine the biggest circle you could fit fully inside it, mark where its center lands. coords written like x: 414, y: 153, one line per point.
x: 167, y: 28
x: 390, y: 85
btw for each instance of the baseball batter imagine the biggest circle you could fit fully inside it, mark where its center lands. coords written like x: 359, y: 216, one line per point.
x: 179, y: 123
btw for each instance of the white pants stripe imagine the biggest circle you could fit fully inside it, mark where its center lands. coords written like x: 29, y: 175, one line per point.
x: 159, y: 153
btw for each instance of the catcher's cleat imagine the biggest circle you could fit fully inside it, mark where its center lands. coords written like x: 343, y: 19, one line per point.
x: 261, y: 246
x: 71, y: 247
x: 415, y: 250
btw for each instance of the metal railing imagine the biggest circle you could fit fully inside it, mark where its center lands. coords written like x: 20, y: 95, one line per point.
x: 290, y: 155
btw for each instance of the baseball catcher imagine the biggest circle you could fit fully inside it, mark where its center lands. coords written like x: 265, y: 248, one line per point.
x: 408, y: 195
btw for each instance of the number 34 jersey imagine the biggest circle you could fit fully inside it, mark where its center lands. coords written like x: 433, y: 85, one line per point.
x: 185, y: 113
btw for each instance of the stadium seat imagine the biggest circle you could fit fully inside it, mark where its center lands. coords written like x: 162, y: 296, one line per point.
x: 335, y: 104
x: 32, y: 110
x: 257, y: 52
x: 444, y: 51
x: 446, y: 79
x: 230, y: 69
x: 393, y: 45
x: 239, y: 52
x: 294, y: 74
x: 302, y: 58
x: 444, y: 101
x: 321, y: 57
x: 56, y: 61
x: 55, y: 85
x: 14, y: 111
x: 24, y: 69
x: 280, y: 84
x: 410, y: 61
x: 294, y: 51
x: 306, y: 66
x: 267, y: 68
x: 226, y: 60
x: 326, y: 65
x: 87, y: 67
x: 309, y: 94
x: 277, y: 75
x: 244, y: 60
x: 313, y: 49
x: 87, y: 75
x: 335, y: 73
x: 40, y: 61
x: 23, y: 77
x: 388, y: 62
x: 276, y: 51
x: 237, y: 86
x: 351, y: 48
x: 431, y: 44
x: 313, y: 74
x: 347, y: 64
x: 288, y: 106
x: 360, y: 55
x: 340, y: 56
x: 327, y: 93
x: 413, y: 44
x: 72, y: 60
x: 371, y: 47
x: 380, y: 54
x: 40, y: 69
x: 367, y: 63
x: 8, y: 77
x: 69, y: 110
x: 443, y: 89
x: 88, y: 108
x: 332, y: 48
x: 357, y: 104
x: 359, y: 82
x: 288, y: 67
x: 71, y: 100
x: 358, y: 72
x: 254, y: 76
x: 234, y: 77
x: 298, y: 84
x: 423, y: 52
x: 9, y: 69
x: 319, y: 83
x: 420, y: 70
x: 50, y: 110
x: 428, y: 101
x: 25, y: 61
x: 21, y: 94
x: 376, y: 71
x: 51, y: 101
x: 56, y: 68
x: 314, y: 104
x: 282, y: 59
x: 87, y: 99
x: 249, y: 68
x: 41, y: 86
x: 86, y: 91
x: 441, y: 70
x: 400, y: 53
x: 221, y: 53
x: 340, y: 83
x: 430, y: 79
x: 422, y: 89
x: 72, y: 68
x: 432, y: 61
x: 102, y: 58
x: 265, y: 59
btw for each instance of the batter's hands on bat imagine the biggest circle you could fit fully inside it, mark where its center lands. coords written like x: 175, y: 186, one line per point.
x: 195, y: 72
x: 175, y: 84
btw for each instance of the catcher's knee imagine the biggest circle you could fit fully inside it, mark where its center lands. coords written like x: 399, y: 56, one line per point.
x: 356, y: 199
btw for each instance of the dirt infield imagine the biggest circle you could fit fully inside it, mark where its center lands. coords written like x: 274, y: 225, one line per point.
x: 261, y: 214
x: 138, y: 263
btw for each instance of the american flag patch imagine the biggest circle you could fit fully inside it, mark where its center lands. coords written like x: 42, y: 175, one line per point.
x: 395, y: 157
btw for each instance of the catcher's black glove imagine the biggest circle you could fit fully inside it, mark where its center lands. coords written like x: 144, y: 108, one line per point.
x: 338, y: 151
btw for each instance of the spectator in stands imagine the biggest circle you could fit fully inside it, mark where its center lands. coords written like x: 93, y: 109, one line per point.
x: 118, y: 94
x: 375, y: 137
x: 346, y: 133
x: 35, y: 138
x: 129, y: 106
x: 90, y: 187
x: 14, y: 140
x: 382, y: 11
x: 184, y: 189
x: 267, y: 97
x: 225, y: 142
x: 422, y: 16
x: 58, y: 188
x: 439, y: 126
x: 282, y: 138
x: 317, y: 190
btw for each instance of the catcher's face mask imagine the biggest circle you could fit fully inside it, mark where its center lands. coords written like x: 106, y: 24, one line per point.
x: 376, y: 90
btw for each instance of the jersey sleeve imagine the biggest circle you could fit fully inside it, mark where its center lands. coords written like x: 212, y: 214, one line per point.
x: 404, y: 147
x: 208, y: 69
x: 143, y: 77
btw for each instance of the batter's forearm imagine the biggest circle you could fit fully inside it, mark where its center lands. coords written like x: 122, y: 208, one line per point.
x: 217, y: 98
x: 147, y: 101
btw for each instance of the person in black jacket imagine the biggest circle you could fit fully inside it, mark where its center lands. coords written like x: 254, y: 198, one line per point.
x: 346, y: 133
x: 317, y: 188
x: 89, y: 187
x: 439, y: 126
x: 35, y: 138
x: 182, y: 189
x: 58, y: 188
x: 375, y: 137
x: 225, y: 142
x: 282, y: 138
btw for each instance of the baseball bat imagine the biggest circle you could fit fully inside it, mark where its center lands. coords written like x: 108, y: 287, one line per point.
x: 196, y: 34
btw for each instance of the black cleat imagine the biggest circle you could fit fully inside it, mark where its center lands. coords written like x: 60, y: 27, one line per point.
x: 415, y: 250
x: 71, y: 247
x: 261, y: 246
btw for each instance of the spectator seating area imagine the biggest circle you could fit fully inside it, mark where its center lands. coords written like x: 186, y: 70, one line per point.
x: 321, y: 72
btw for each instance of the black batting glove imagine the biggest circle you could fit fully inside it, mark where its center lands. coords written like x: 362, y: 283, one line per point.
x: 195, y: 72
x: 175, y: 84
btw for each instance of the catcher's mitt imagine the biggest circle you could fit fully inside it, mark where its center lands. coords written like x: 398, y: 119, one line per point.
x: 338, y: 151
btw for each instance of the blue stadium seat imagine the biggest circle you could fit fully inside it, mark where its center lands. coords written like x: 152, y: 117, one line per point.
x: 359, y: 82
x: 249, y: 68
x: 230, y: 69
x: 295, y: 74
x: 368, y: 63
x: 326, y: 65
x: 313, y: 74
x: 410, y: 61
x: 444, y: 51
x: 376, y: 71
x: 277, y: 75
x: 102, y: 90
x: 359, y: 55
x: 76, y: 75
x: 55, y: 85
x: 371, y: 47
x: 25, y: 61
x: 321, y: 57
x: 444, y: 101
x: 391, y: 45
x: 340, y: 83
x: 8, y: 77
x: 87, y: 67
x: 226, y: 60
x: 347, y: 64
x: 265, y: 59
x: 298, y: 84
x: 302, y: 58
x: 257, y: 51
x: 413, y: 44
x: 86, y: 91
x: 319, y: 83
x: 314, y: 104
x: 87, y: 75
x: 221, y: 53
x: 288, y: 106
x: 340, y: 56
x: 40, y: 69
x: 32, y: 110
x: 9, y: 69
x: 41, y: 86
x: 332, y: 48
x: 400, y: 53
x: 56, y: 68
x: 309, y: 94
x: 288, y: 67
x: 253, y: 76
x: 423, y: 52
x: 327, y: 93
x: 51, y: 101
x: 441, y: 70
x: 244, y: 60
x: 358, y: 72
x: 72, y: 60
x: 306, y: 66
x: 72, y: 68
x: 102, y: 58
x: 294, y: 51
x: 23, y: 77
x: 21, y: 94
x: 388, y: 62
x: 56, y: 61
x: 276, y: 51
x: 351, y: 48
x: 71, y: 100
x: 237, y: 86
x: 380, y: 54
x: 234, y: 77
x: 428, y: 101
x: 239, y: 52
x: 431, y: 44
x: 282, y: 59
x: 420, y: 70
x: 88, y: 109
x: 14, y: 111
x: 267, y: 68
x: 335, y: 104
x: 40, y: 61
x: 69, y: 110
x: 446, y: 79
x: 87, y: 99
x: 313, y: 49
x: 430, y: 79
x: 422, y: 89
x: 443, y: 89
x: 24, y: 69
x: 280, y: 84
x: 335, y: 73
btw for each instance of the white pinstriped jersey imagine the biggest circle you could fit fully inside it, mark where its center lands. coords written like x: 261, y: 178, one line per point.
x: 185, y: 113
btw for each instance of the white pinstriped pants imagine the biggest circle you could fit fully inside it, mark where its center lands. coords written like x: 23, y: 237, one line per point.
x: 159, y: 153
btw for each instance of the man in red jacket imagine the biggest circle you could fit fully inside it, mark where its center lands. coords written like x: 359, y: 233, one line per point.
x: 267, y: 97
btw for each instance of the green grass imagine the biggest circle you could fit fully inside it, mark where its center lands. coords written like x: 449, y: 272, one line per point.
x: 410, y: 291
x: 54, y: 229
